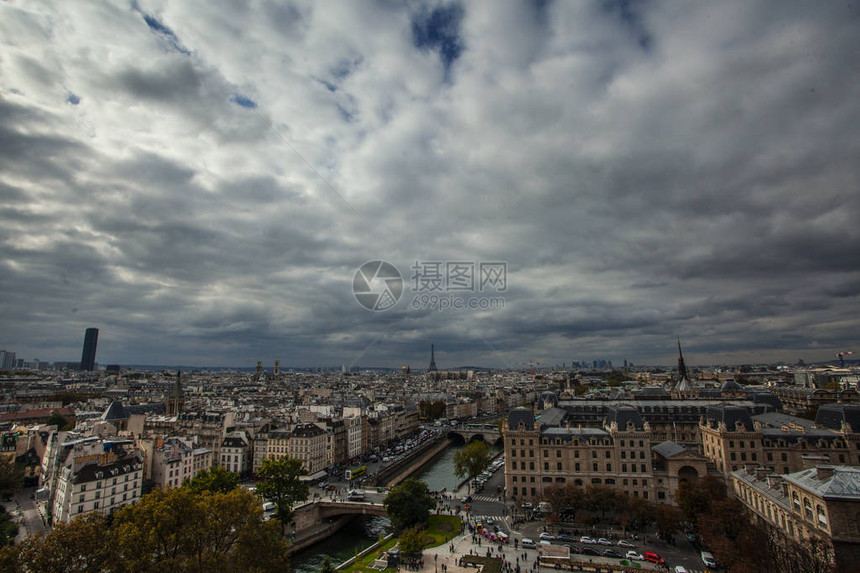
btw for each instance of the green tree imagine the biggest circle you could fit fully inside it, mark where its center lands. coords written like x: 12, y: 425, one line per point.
x: 213, y: 479
x: 326, y: 566
x: 58, y: 420
x: 11, y: 477
x: 472, y: 460
x: 281, y: 485
x: 409, y: 505
x: 412, y: 542
x: 8, y: 528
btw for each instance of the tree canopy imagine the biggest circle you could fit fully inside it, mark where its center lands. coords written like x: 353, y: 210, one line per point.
x: 409, y: 505
x: 472, y: 459
x: 217, y: 479
x: 412, y: 542
x: 11, y: 477
x: 168, y: 530
x: 281, y: 485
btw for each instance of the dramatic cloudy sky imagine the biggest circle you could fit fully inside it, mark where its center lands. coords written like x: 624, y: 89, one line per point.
x: 201, y: 180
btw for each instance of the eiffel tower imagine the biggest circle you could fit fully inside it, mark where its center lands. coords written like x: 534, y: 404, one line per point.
x: 432, y: 367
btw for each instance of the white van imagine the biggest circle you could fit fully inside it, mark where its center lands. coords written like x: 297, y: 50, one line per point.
x: 708, y: 559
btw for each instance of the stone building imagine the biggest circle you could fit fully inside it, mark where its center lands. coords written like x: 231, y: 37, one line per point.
x: 821, y: 502
x: 731, y: 437
x: 549, y: 452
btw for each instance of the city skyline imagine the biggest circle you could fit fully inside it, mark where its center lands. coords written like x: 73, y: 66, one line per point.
x: 202, y: 182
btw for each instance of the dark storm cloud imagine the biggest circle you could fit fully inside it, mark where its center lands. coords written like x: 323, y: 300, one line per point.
x: 647, y: 170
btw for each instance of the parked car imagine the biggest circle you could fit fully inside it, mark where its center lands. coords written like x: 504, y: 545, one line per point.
x: 625, y: 543
x: 586, y: 539
x: 612, y: 553
x: 635, y: 556
x: 547, y: 537
x: 565, y: 538
x: 528, y: 543
x: 590, y: 551
x: 604, y: 541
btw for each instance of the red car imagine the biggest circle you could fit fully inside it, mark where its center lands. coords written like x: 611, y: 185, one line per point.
x: 654, y: 558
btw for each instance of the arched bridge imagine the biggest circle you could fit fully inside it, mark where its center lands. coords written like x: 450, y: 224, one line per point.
x: 470, y: 432
x: 314, y: 513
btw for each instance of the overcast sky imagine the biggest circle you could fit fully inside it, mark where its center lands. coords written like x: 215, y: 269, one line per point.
x: 202, y: 180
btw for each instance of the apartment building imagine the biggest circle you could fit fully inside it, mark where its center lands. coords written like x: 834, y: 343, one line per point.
x: 96, y: 475
x: 176, y: 459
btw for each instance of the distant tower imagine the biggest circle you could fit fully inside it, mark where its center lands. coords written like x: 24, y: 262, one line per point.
x: 88, y: 356
x: 259, y: 367
x: 175, y: 398
x: 682, y: 368
x: 277, y: 367
x: 432, y: 367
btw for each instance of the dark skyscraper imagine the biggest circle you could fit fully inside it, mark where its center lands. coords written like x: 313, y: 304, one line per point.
x: 88, y: 356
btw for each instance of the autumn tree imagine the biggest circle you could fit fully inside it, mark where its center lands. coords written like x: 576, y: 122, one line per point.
x: 736, y: 543
x: 205, y: 532
x: 412, y: 542
x: 281, y: 485
x: 75, y: 547
x: 603, y: 499
x: 696, y: 498
x: 217, y: 479
x: 668, y: 519
x: 472, y: 459
x: 409, y: 505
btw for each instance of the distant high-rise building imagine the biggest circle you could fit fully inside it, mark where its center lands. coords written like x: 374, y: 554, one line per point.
x: 432, y: 367
x: 7, y: 360
x: 259, y: 367
x: 88, y: 356
x: 277, y: 367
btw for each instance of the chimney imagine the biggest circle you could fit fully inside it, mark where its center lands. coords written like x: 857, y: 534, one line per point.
x: 824, y: 472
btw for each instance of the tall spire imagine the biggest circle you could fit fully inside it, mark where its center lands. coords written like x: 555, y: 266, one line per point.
x: 432, y: 367
x: 682, y: 368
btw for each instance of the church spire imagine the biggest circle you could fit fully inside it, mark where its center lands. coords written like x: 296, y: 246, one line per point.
x: 175, y: 398
x: 682, y: 368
